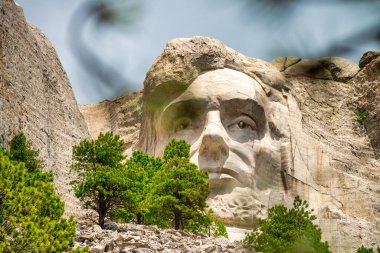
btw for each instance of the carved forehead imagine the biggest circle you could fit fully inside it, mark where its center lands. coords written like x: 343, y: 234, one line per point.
x: 183, y: 60
x: 224, y: 82
x: 222, y: 85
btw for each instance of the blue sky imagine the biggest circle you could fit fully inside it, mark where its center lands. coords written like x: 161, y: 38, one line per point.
x: 252, y: 29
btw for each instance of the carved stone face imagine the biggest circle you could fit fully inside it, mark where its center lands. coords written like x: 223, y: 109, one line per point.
x: 223, y: 115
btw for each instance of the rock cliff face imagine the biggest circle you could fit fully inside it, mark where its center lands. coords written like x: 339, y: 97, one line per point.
x: 330, y: 158
x: 121, y: 115
x: 334, y: 147
x: 36, y: 97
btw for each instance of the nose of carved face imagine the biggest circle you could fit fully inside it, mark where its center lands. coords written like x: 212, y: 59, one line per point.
x: 213, y: 151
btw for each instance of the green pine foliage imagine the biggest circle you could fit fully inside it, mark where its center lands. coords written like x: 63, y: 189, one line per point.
x: 361, y: 115
x: 288, y: 231
x: 30, y: 212
x: 20, y: 149
x: 167, y: 192
x: 178, y: 191
x: 141, y: 168
x: 208, y: 225
x: 171, y: 191
x: 363, y: 249
x: 102, y: 185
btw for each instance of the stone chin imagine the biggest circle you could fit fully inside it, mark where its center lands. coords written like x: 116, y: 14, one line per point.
x: 240, y: 198
x: 239, y: 208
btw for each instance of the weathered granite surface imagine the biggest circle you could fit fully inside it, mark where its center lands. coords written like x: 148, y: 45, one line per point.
x: 36, y: 97
x: 121, y: 115
x: 327, y: 156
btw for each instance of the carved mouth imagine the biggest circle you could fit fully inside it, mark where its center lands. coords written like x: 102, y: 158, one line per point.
x: 225, y: 171
x: 224, y: 179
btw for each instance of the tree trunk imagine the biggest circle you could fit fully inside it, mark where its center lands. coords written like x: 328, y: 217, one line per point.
x: 102, y: 216
x: 139, y: 218
x: 102, y: 209
x: 177, y: 219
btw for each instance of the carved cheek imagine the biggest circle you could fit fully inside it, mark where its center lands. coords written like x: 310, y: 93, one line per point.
x: 267, y: 172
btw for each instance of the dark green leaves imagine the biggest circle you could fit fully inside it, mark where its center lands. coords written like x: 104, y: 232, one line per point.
x: 171, y: 192
x: 176, y: 149
x: 177, y: 191
x: 106, y: 150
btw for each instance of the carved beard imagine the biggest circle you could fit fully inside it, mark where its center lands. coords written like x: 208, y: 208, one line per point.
x: 244, y: 206
x: 239, y: 208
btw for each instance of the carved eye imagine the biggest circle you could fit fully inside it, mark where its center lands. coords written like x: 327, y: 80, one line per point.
x: 242, y: 125
x: 242, y: 128
x: 244, y: 122
x: 182, y: 124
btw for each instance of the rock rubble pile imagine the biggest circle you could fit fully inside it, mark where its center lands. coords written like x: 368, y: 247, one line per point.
x: 132, y: 238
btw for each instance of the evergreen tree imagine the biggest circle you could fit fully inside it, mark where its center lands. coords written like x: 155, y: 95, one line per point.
x: 20, y: 149
x: 179, y: 190
x: 208, y: 225
x: 30, y: 212
x: 141, y: 168
x: 102, y: 184
x: 287, y: 231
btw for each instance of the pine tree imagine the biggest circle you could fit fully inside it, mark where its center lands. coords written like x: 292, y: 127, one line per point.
x: 141, y: 168
x: 20, y: 149
x: 30, y: 212
x: 287, y: 230
x: 102, y: 185
x: 363, y: 249
x: 179, y: 190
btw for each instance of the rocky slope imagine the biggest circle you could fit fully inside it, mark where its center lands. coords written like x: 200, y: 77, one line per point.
x: 128, y: 238
x: 36, y: 96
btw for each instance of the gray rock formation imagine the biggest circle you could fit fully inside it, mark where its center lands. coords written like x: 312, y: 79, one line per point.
x: 36, y: 97
x: 121, y: 115
x: 367, y: 92
x: 302, y: 130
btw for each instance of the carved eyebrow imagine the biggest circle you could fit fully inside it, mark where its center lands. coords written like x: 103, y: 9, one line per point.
x: 249, y: 116
x: 248, y: 107
x: 184, y: 105
x: 191, y: 108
